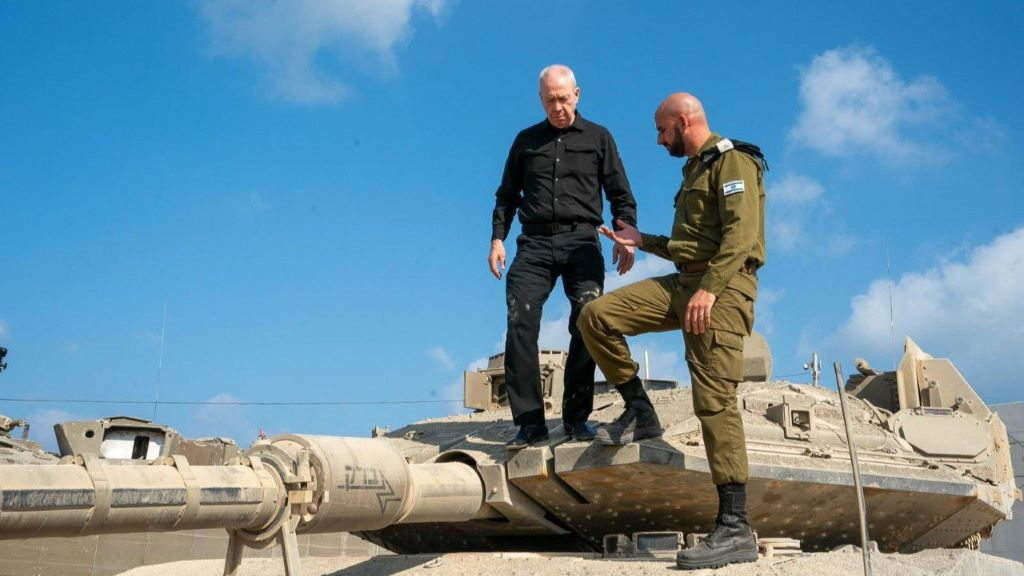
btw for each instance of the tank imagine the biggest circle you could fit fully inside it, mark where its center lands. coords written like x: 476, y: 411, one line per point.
x: 934, y: 462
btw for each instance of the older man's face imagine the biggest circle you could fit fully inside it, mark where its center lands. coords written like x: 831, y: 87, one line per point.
x: 559, y: 98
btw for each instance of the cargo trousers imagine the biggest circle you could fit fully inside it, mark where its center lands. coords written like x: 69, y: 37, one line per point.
x: 540, y: 260
x: 715, y: 358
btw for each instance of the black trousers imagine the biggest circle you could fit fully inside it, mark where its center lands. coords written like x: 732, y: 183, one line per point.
x: 540, y: 260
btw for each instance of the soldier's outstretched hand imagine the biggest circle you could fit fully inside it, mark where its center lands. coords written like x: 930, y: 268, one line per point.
x: 626, y: 235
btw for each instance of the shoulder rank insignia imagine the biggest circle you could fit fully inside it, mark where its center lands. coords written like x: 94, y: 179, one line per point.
x: 725, y: 144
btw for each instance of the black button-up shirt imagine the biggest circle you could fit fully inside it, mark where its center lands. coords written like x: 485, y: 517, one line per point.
x: 556, y: 176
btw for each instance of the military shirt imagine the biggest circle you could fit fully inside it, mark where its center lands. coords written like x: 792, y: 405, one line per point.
x: 555, y: 176
x: 719, y: 217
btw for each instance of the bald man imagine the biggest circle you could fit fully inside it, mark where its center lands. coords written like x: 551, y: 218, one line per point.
x: 717, y: 245
x: 553, y: 178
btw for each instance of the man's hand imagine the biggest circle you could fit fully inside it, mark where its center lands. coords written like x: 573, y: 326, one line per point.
x: 623, y: 258
x: 497, y: 257
x: 626, y: 235
x: 698, y: 312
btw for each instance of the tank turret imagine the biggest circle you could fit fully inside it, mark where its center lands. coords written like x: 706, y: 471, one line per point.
x: 934, y: 458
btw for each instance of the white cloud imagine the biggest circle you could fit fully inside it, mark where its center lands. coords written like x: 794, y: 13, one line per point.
x: 441, y: 356
x: 790, y: 202
x: 4, y: 330
x: 797, y: 189
x: 967, y: 310
x: 785, y: 232
x: 288, y: 37
x: 224, y: 418
x: 799, y: 217
x: 855, y: 103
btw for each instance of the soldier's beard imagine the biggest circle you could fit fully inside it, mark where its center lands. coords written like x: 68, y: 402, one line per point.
x: 677, y: 147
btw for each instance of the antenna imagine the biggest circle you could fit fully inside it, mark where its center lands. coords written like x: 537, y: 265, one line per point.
x: 815, y: 367
x: 160, y: 364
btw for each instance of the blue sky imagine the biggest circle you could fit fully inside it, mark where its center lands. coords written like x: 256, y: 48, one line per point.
x: 290, y: 201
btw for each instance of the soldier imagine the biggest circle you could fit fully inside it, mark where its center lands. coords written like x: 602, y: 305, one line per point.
x: 717, y: 245
x: 553, y: 177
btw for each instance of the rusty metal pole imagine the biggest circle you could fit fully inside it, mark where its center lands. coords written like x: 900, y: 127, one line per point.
x: 856, y: 471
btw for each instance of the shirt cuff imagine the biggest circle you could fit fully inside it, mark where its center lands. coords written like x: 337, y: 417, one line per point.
x: 713, y: 282
x: 654, y: 244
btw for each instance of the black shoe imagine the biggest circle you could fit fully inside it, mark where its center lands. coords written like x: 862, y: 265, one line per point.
x: 638, y: 421
x: 528, y: 435
x: 579, y: 431
x: 732, y: 540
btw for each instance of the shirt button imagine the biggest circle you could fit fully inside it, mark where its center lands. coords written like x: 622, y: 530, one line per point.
x: 558, y: 159
x: 559, y: 139
x: 556, y: 179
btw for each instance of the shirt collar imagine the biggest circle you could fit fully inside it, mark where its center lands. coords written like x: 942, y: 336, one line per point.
x: 708, y: 144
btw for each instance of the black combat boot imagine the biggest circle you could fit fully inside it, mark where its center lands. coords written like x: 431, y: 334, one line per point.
x: 731, y: 541
x: 637, y: 422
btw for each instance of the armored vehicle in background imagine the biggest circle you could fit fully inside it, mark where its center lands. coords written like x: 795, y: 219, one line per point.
x: 934, y: 459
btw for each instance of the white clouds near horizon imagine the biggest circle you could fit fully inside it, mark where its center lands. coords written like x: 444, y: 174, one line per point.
x: 442, y: 357
x: 853, y: 102
x: 286, y: 38
x: 969, y: 310
x: 5, y: 332
x: 224, y: 418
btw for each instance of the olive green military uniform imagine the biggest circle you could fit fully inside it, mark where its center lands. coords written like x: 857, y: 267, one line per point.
x: 719, y: 219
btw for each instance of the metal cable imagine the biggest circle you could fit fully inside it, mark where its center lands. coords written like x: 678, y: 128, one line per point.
x: 228, y: 402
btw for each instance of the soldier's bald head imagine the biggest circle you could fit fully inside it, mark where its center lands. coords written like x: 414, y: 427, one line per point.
x: 681, y: 123
x: 683, y: 104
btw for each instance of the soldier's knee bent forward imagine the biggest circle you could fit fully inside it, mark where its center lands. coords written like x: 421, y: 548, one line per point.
x: 589, y: 321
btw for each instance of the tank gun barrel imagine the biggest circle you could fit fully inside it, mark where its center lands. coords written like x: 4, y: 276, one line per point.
x: 93, y: 496
x: 294, y: 483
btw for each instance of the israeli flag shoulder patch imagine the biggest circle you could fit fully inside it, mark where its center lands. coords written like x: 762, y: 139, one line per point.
x: 733, y: 187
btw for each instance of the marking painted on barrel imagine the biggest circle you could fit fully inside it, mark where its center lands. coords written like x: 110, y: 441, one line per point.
x: 367, y: 478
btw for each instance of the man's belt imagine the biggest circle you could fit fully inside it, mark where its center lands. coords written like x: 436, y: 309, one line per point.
x: 750, y: 266
x: 694, y: 266
x: 552, y: 228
